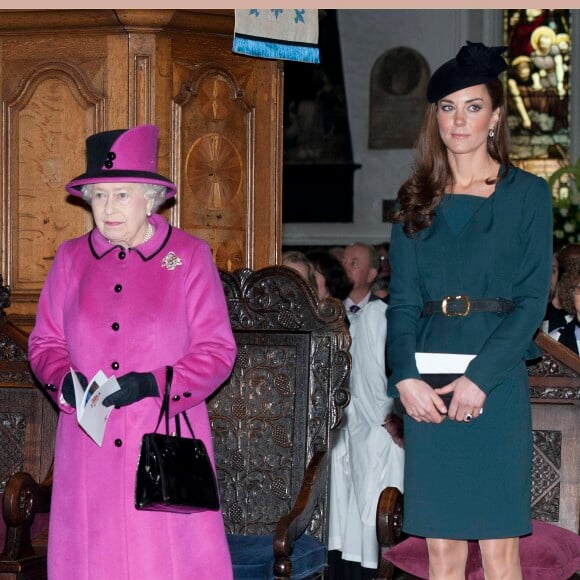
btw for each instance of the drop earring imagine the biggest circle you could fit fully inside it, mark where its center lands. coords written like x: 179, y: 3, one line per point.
x: 491, y: 133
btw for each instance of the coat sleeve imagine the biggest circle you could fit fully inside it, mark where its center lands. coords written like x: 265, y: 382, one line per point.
x: 404, y: 311
x: 47, y: 347
x: 507, y: 345
x: 211, y: 351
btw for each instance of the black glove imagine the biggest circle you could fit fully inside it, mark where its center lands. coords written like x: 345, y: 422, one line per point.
x: 68, y: 388
x: 134, y: 387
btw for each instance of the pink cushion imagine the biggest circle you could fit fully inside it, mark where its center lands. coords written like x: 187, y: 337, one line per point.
x: 548, y: 553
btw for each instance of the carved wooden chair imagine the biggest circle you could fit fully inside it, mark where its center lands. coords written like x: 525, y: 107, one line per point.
x: 555, y: 396
x: 271, y: 422
x: 27, y: 428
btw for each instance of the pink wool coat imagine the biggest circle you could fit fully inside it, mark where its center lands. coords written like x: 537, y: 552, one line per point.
x: 104, y: 307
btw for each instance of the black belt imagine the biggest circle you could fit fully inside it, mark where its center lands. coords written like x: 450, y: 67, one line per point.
x: 462, y: 305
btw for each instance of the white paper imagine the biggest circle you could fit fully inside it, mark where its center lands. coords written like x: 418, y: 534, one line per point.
x: 442, y: 362
x: 92, y: 415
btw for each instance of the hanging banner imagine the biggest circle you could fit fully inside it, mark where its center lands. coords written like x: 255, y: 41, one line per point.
x: 278, y: 33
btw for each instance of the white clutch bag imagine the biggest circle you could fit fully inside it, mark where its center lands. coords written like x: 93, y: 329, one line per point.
x: 432, y: 363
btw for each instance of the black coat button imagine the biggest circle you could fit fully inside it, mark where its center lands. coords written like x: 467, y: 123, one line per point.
x: 118, y: 442
x: 175, y: 398
x: 122, y: 255
x: 115, y: 365
x: 50, y: 387
x: 115, y: 326
x: 187, y: 394
x: 118, y: 288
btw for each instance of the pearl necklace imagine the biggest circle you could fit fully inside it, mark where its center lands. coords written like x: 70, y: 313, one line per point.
x: 148, y: 233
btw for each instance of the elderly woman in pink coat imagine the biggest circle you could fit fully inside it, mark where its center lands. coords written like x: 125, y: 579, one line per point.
x: 130, y: 297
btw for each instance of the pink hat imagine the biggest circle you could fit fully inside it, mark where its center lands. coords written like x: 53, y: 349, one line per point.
x: 123, y: 155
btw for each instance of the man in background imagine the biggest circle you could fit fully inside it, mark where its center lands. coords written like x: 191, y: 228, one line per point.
x: 361, y: 263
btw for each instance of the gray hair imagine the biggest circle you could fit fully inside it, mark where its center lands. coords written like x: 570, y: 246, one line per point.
x: 374, y: 257
x: 151, y: 191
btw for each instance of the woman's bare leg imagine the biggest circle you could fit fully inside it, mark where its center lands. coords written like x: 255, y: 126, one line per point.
x: 447, y: 559
x: 501, y: 559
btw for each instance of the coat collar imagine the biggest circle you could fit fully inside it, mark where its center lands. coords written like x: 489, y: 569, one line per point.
x: 100, y: 246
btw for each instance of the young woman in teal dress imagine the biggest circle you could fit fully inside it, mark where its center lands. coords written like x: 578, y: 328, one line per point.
x: 468, y: 225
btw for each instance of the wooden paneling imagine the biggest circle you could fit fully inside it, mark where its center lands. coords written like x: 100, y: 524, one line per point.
x: 27, y: 417
x: 229, y: 156
x: 67, y: 74
x: 555, y: 396
x: 556, y: 466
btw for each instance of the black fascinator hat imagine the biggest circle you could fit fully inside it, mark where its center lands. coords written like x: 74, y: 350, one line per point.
x: 475, y: 64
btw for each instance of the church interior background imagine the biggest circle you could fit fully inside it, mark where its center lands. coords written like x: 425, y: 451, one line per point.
x: 342, y: 162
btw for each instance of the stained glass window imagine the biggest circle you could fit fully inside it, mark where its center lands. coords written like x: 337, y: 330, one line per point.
x: 538, y: 54
x: 538, y: 94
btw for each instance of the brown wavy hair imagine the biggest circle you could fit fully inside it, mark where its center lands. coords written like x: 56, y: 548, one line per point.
x: 420, y: 195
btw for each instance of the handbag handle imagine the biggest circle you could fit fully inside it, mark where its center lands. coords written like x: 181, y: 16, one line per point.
x: 178, y: 424
x: 164, y: 412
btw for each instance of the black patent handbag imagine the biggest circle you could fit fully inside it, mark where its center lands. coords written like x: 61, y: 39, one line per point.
x: 174, y: 473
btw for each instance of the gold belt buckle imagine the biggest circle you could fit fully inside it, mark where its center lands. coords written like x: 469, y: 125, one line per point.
x: 445, y: 301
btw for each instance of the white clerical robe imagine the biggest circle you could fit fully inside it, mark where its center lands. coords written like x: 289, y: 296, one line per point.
x: 364, y: 458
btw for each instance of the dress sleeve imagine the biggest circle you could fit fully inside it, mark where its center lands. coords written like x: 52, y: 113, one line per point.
x: 404, y: 311
x: 507, y: 345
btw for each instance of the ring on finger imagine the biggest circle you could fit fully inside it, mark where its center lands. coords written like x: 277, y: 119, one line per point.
x: 468, y: 417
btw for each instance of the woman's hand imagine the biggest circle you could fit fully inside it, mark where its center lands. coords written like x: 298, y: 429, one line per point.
x: 421, y: 402
x: 468, y: 399
x: 68, y: 389
x: 134, y: 387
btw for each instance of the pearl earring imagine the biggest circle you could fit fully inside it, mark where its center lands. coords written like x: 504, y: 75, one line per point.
x: 148, y: 214
x: 491, y: 133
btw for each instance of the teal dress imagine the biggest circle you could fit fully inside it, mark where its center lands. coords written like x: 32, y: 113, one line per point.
x: 472, y: 480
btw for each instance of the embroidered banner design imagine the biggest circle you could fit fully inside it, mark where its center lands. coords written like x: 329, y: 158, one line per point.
x: 281, y: 34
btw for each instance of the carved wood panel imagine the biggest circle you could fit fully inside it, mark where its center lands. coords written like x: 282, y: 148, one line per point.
x: 216, y: 130
x: 27, y: 418
x: 555, y: 395
x: 286, y: 392
x: 556, y: 464
x: 227, y: 161
x: 546, y: 464
x: 54, y: 90
x: 258, y: 430
x: 52, y: 106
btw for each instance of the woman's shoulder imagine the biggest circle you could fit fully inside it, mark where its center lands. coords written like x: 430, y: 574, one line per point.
x: 525, y: 179
x: 525, y: 188
x: 74, y: 244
